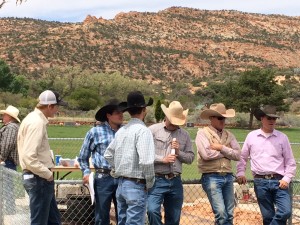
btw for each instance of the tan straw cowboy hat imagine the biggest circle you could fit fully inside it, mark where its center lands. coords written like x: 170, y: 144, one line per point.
x: 217, y: 109
x: 175, y: 113
x: 11, y: 111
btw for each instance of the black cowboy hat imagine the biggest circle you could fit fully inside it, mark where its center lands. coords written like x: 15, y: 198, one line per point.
x: 267, y: 110
x: 110, y: 106
x: 135, y: 99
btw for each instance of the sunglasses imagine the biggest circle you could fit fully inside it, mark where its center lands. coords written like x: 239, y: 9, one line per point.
x: 220, y: 117
x: 271, y: 118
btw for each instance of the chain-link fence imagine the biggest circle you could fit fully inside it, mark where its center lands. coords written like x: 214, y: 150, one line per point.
x: 75, y: 205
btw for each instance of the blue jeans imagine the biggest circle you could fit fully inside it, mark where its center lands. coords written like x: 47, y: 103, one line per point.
x: 170, y: 194
x: 42, y: 203
x: 220, y: 192
x: 10, y: 165
x: 105, y: 191
x: 270, y: 195
x: 132, y: 199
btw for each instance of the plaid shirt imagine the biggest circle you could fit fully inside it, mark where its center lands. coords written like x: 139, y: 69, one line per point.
x: 132, y: 152
x: 95, y: 143
x: 8, y: 142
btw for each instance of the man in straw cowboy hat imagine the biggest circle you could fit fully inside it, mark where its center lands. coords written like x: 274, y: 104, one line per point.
x: 8, y: 137
x: 95, y: 143
x: 131, y: 154
x: 216, y: 148
x: 273, y: 167
x: 36, y: 159
x: 168, y: 189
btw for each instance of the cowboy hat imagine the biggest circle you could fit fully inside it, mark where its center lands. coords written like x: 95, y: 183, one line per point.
x: 109, y: 107
x: 135, y: 99
x: 175, y: 113
x: 11, y: 111
x: 267, y: 110
x: 217, y: 109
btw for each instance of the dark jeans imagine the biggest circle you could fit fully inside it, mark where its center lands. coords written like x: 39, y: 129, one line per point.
x: 10, y: 165
x: 170, y: 194
x: 43, y: 207
x: 270, y: 195
x: 105, y: 191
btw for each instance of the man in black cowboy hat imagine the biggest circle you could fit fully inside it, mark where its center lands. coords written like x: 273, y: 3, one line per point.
x: 131, y: 154
x: 273, y: 166
x: 95, y: 143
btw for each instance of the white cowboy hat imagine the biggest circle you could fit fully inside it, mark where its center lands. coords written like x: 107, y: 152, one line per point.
x: 175, y: 113
x: 217, y: 109
x: 12, y: 111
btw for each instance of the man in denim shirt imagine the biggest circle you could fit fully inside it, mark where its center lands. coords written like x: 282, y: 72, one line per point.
x: 96, y: 141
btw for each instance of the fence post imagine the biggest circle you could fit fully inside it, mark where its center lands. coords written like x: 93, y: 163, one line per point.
x: 1, y: 195
x: 291, y: 192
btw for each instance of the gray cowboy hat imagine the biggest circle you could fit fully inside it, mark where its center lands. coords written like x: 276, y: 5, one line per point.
x: 267, y: 110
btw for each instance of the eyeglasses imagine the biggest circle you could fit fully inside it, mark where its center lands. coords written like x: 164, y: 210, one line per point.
x: 271, y: 118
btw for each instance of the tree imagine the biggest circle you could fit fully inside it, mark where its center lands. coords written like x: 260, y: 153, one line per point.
x: 159, y: 114
x: 84, y: 99
x: 6, y: 77
x: 252, y: 89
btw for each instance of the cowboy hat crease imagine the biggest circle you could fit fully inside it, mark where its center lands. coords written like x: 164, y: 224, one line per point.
x: 12, y: 111
x: 175, y: 113
x: 217, y: 109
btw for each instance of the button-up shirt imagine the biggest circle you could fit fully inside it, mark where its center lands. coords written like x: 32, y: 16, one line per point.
x: 162, y: 141
x: 95, y: 143
x: 33, y: 145
x: 268, y: 155
x: 132, y: 152
x: 8, y: 142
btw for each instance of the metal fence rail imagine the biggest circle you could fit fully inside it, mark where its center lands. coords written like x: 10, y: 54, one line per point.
x: 75, y: 206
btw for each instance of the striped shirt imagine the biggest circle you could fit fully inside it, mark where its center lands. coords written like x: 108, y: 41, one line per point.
x: 8, y: 142
x: 132, y: 152
x: 95, y: 143
x: 162, y: 141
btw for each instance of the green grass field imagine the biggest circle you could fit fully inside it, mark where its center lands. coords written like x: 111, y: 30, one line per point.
x: 70, y: 148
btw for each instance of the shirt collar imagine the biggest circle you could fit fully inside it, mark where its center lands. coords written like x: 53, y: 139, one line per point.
x: 43, y: 117
x: 260, y: 132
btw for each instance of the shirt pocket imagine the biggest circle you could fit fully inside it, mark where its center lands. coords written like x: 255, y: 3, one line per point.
x: 162, y: 142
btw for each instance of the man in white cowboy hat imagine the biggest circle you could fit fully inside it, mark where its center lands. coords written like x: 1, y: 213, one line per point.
x: 8, y: 137
x: 216, y: 148
x: 131, y: 155
x: 95, y: 143
x: 273, y: 167
x: 168, y: 189
x: 36, y: 160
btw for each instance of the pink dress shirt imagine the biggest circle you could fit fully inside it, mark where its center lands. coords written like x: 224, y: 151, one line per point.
x: 268, y: 155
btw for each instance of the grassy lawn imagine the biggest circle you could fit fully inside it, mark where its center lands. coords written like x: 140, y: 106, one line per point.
x: 70, y: 148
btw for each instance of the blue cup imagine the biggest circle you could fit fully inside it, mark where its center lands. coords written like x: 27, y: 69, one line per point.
x: 57, y: 158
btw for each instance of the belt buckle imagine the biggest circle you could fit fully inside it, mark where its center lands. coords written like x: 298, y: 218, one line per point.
x: 268, y: 177
x: 222, y: 174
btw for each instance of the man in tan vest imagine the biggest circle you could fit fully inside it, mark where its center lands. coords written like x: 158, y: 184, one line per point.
x: 216, y: 148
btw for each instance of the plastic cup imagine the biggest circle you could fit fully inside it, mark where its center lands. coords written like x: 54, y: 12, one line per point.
x: 57, y: 158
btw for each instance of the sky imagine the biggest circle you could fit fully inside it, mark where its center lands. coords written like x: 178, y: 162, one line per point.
x: 77, y: 10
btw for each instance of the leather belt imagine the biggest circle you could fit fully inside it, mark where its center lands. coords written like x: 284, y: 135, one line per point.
x: 218, y: 173
x: 101, y: 170
x: 168, y: 176
x: 274, y: 176
x: 137, y: 180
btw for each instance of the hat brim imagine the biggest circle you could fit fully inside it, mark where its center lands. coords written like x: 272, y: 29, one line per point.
x: 124, y: 105
x: 180, y: 120
x: 205, y: 114
x: 258, y: 114
x: 101, y: 113
x: 8, y: 113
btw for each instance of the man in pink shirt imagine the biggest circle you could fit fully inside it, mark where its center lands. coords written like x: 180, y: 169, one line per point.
x: 273, y: 167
